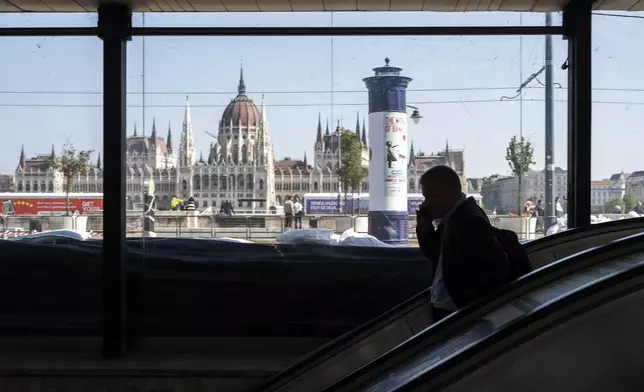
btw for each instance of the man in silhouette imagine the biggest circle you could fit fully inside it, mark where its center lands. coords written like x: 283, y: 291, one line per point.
x: 468, y: 259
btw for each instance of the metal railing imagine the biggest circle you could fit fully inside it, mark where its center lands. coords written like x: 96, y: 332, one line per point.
x: 256, y: 228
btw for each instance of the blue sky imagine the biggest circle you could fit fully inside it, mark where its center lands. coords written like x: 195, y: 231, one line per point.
x: 457, y: 84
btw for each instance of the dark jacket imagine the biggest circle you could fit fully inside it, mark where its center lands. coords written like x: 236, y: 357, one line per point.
x: 474, y: 263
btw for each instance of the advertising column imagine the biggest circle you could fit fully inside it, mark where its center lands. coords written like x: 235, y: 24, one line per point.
x: 388, y: 161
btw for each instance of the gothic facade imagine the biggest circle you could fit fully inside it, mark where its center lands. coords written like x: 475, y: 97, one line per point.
x: 240, y: 166
x: 296, y: 177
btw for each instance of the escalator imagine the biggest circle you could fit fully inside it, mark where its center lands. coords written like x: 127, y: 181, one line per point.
x: 553, y: 330
x: 351, y: 351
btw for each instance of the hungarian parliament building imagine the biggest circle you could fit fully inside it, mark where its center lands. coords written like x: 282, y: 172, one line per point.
x: 240, y: 166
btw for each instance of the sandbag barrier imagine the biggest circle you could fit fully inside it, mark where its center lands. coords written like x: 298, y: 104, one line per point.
x: 183, y: 287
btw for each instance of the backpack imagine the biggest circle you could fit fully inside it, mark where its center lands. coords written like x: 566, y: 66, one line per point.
x: 517, y: 256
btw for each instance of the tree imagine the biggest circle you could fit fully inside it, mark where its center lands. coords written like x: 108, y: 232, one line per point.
x: 629, y: 201
x: 520, y: 156
x: 352, y: 171
x: 609, y: 206
x: 70, y: 163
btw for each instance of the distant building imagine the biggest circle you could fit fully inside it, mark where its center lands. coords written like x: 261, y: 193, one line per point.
x: 420, y: 163
x: 474, y: 185
x: 502, y: 193
x: 635, y: 184
x: 606, y: 190
x: 36, y: 175
x: 295, y: 177
x: 240, y: 166
x: 7, y: 182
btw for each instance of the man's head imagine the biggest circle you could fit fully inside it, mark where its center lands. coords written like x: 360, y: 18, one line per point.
x: 441, y: 188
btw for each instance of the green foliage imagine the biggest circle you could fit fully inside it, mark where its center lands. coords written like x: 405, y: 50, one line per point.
x: 70, y: 164
x: 520, y: 156
x: 609, y: 206
x: 352, y: 171
x: 629, y: 201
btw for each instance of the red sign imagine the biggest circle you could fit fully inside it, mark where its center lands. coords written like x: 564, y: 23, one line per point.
x: 48, y: 205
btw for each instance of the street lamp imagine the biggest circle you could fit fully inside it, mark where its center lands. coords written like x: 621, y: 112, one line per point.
x: 415, y: 115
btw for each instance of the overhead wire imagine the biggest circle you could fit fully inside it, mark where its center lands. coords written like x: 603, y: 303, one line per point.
x: 59, y: 105
x: 183, y: 93
x: 618, y: 15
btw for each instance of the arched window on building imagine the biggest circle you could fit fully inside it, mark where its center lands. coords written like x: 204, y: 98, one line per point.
x: 214, y: 182
x: 165, y: 202
x: 249, y: 182
x: 233, y: 185
x: 51, y: 186
x: 240, y: 182
x: 244, y: 150
x: 261, y: 184
x: 223, y: 183
x: 235, y: 156
x: 315, y: 186
x: 27, y: 186
x: 206, y: 182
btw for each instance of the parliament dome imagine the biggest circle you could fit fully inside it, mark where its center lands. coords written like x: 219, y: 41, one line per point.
x: 241, y: 110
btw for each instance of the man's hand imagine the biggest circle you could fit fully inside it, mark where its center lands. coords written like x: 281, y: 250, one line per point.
x: 424, y: 221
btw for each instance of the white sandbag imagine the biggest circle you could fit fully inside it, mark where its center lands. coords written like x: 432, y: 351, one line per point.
x: 351, y: 238
x: 633, y: 214
x: 225, y: 239
x: 361, y: 239
x: 65, y: 233
x: 308, y: 236
x: 602, y: 219
x: 560, y: 226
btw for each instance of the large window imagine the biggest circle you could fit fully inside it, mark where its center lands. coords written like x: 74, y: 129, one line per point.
x: 51, y: 112
x: 618, y: 95
x: 247, y: 123
x: 223, y: 131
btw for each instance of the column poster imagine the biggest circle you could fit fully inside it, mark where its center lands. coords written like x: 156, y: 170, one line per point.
x: 395, y: 145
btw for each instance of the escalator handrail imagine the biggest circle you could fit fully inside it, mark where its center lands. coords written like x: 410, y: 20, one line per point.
x: 442, y: 330
x: 598, y: 228
x: 329, y: 349
x: 539, y: 321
